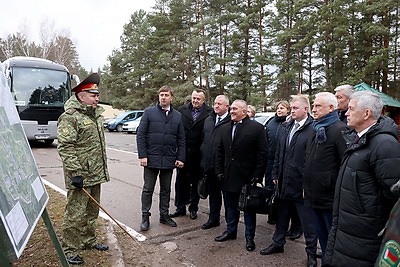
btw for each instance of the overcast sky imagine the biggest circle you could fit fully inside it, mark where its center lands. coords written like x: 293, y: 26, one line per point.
x: 95, y: 26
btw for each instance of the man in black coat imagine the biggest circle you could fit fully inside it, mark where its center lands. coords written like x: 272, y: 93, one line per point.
x: 161, y: 148
x: 363, y: 199
x: 325, y: 148
x: 187, y: 178
x: 288, y: 175
x: 212, y: 127
x: 241, y: 159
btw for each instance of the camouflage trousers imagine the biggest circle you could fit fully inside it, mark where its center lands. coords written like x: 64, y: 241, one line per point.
x: 79, y: 230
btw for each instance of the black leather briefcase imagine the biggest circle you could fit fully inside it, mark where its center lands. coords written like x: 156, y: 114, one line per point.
x: 254, y: 198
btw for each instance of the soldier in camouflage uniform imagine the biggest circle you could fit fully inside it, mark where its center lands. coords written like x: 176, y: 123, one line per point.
x: 81, y: 146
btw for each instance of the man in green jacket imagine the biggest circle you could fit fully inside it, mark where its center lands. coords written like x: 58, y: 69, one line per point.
x: 81, y: 146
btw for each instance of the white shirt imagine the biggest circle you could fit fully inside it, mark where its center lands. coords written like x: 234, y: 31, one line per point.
x: 221, y: 117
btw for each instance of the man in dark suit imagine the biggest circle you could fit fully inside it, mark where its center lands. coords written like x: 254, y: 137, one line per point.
x: 287, y: 173
x: 241, y: 159
x: 187, y: 178
x: 211, y: 132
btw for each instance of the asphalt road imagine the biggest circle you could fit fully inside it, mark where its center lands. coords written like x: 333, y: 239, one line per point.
x: 121, y: 198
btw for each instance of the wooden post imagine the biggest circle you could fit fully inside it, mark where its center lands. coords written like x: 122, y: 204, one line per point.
x: 54, y: 239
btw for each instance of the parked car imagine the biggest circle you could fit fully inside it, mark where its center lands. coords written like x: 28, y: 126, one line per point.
x: 106, y: 121
x: 131, y: 126
x: 118, y: 122
x: 263, y: 117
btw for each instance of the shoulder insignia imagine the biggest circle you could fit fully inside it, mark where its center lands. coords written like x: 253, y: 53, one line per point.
x: 70, y: 111
x: 390, y: 254
x: 87, y: 122
x: 64, y: 131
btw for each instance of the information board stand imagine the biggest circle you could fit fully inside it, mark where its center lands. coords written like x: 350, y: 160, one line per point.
x: 54, y: 239
x: 23, y: 197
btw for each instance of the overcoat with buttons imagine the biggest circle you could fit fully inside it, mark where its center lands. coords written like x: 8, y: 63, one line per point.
x: 244, y: 157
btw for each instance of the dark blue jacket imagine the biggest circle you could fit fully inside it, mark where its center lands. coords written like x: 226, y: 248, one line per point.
x: 273, y: 130
x: 160, y: 138
x: 289, y: 161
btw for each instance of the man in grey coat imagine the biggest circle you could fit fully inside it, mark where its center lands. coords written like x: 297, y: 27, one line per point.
x: 161, y: 148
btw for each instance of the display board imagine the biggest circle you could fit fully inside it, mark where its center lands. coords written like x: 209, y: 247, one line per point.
x: 23, y: 196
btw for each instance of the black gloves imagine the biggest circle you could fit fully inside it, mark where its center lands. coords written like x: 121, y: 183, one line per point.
x: 255, y: 180
x: 77, y: 181
x: 220, y: 178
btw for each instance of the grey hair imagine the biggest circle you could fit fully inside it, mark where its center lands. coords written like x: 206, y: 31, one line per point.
x: 242, y: 103
x: 346, y: 88
x: 226, y: 99
x: 369, y: 100
x: 329, y: 98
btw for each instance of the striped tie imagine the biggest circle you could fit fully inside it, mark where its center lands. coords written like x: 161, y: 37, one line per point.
x: 196, y: 113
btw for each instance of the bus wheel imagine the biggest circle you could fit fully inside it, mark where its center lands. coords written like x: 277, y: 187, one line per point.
x: 48, y: 141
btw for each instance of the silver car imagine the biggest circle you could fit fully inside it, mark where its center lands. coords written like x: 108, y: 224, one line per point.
x: 131, y: 126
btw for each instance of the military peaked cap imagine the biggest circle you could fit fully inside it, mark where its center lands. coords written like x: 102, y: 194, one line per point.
x: 90, y: 84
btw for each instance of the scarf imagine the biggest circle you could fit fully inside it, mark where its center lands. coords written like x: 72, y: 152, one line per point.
x: 280, y: 118
x: 320, y: 125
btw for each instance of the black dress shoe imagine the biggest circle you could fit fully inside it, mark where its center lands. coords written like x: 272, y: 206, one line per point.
x: 100, y: 247
x: 225, y: 236
x: 167, y: 221
x: 250, y: 245
x: 296, y: 234
x: 289, y: 232
x: 311, y: 260
x: 177, y: 213
x: 209, y: 225
x: 76, y: 260
x: 193, y: 215
x: 272, y: 249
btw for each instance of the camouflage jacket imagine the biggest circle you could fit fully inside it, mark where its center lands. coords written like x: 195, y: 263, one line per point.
x: 81, y: 143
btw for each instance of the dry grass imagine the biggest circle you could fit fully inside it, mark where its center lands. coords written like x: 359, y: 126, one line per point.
x: 40, y: 250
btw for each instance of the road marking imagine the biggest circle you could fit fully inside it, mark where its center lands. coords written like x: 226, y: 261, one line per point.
x: 119, y: 150
x: 132, y: 232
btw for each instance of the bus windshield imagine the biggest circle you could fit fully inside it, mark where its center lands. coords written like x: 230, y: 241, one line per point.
x: 39, y: 87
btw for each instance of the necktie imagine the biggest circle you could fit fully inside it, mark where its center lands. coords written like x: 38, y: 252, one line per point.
x: 196, y: 113
x: 356, y: 139
x: 218, y: 121
x: 165, y: 111
x: 294, y: 129
x: 233, y: 129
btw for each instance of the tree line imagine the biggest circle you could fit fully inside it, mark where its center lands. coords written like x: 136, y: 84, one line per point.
x: 257, y: 50
x: 57, y: 47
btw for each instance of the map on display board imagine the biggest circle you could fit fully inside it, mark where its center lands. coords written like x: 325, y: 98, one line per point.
x: 23, y: 196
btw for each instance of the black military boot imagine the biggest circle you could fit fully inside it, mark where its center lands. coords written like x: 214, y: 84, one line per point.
x: 166, y: 219
x: 144, y: 226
